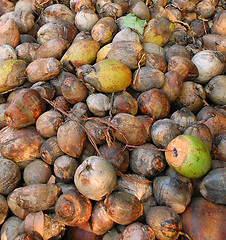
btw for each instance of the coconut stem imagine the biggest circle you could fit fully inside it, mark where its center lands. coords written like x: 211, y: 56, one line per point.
x: 204, y: 101
x: 182, y: 23
x: 141, y: 59
x: 10, y: 90
x: 155, y: 149
x: 131, y: 177
x: 223, y: 2
x: 204, y: 26
x: 185, y: 235
x: 92, y: 141
x: 111, y: 105
x: 207, y: 118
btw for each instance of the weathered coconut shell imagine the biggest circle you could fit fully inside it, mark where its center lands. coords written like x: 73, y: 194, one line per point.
x: 196, y: 218
x: 213, y: 185
x: 20, y: 145
x: 12, y: 73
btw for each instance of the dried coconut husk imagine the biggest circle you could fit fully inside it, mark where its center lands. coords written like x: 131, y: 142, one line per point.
x: 137, y: 230
x: 6, y: 6
x: 72, y: 208
x: 104, y: 30
x: 147, y: 78
x: 216, y: 119
x: 39, y: 5
x: 172, y: 85
x: 11, y: 227
x: 43, y: 69
x: 56, y: 12
x: 52, y: 48
x: 123, y: 208
x: 219, y: 22
x: 117, y: 154
x: 27, y: 51
x: 129, y: 53
x: 23, y: 19
x: 214, y: 42
x: 45, y: 225
x: 212, y: 186
x: 10, y: 176
x: 196, y: 218
x: 155, y: 103
x: 219, y: 146
x: 12, y: 73
x: 101, y: 222
x: 82, y: 232
x: 57, y: 29
x: 129, y: 129
x: 34, y: 222
x: 14, y: 143
x: 3, y: 209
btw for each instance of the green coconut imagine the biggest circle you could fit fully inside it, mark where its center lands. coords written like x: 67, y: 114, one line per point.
x: 12, y: 74
x: 109, y: 76
x: 191, y: 157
